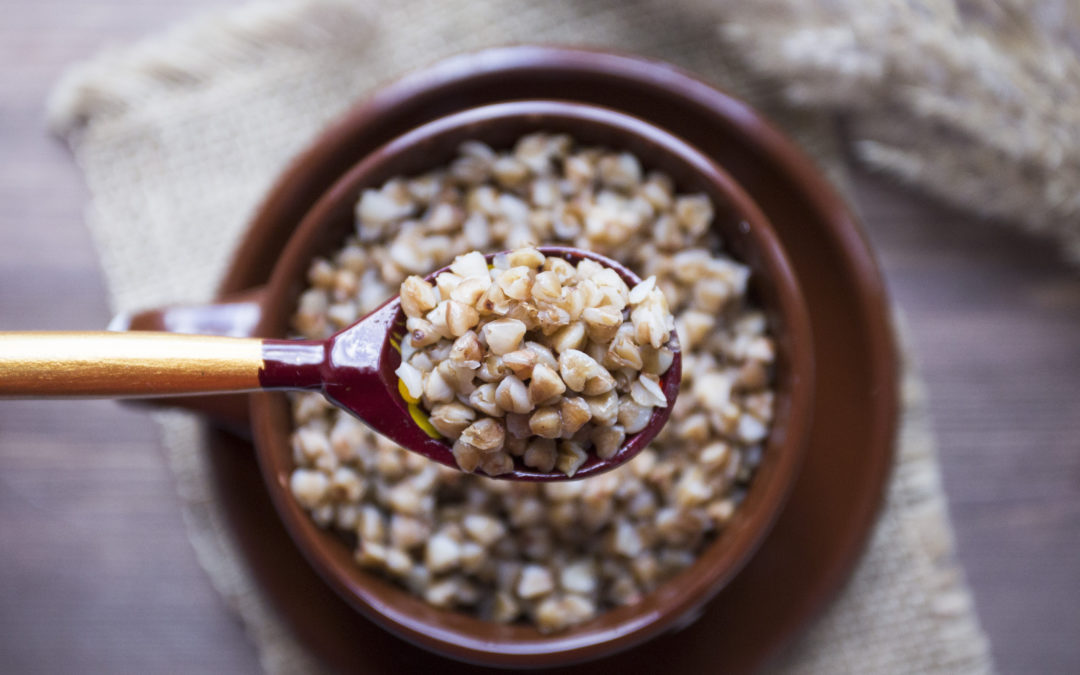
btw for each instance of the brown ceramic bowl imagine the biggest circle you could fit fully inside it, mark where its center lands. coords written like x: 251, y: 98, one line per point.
x: 818, y: 538
x: 821, y: 533
x: 265, y: 312
x: 746, y: 234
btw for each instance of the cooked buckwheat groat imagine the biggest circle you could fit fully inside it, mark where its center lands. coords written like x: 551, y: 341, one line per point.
x: 557, y: 554
x: 523, y: 351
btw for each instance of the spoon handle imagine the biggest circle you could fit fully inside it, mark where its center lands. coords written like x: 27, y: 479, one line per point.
x: 117, y: 364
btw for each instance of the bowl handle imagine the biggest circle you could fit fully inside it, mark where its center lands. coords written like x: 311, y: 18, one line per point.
x: 236, y: 315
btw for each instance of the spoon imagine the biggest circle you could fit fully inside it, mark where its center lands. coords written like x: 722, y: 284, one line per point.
x: 354, y: 369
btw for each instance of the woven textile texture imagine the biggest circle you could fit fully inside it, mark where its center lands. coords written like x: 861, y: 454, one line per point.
x: 180, y: 136
x: 974, y: 101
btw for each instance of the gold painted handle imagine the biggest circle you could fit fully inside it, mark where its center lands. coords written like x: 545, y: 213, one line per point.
x: 108, y: 364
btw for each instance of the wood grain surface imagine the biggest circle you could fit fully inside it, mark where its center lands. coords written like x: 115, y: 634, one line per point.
x: 96, y: 574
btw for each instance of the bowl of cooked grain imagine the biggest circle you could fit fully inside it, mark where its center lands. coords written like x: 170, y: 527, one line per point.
x: 527, y: 575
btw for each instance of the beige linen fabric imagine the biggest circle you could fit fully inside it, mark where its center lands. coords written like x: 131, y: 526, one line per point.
x: 179, y: 137
x: 974, y: 101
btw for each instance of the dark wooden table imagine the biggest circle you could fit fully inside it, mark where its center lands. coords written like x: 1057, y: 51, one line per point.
x: 96, y: 574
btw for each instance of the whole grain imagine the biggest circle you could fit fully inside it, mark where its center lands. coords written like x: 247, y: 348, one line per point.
x: 578, y: 307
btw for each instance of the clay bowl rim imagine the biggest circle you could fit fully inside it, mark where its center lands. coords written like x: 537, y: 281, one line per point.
x: 465, y: 638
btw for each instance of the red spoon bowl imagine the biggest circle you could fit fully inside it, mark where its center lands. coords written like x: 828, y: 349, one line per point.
x: 356, y: 370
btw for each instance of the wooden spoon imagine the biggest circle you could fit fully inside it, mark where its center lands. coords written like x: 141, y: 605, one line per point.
x: 354, y: 369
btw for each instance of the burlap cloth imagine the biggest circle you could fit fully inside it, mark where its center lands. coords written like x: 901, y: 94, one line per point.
x: 181, y: 135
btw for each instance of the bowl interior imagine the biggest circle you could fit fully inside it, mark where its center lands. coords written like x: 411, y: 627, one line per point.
x: 746, y: 235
